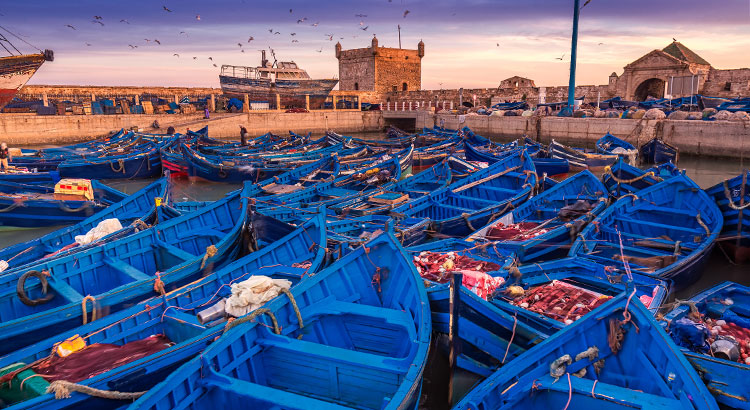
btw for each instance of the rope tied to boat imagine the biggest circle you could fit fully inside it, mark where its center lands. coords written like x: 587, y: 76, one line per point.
x: 140, y: 225
x: 583, y: 242
x: 558, y: 366
x: 510, y: 342
x: 591, y: 353
x: 62, y: 389
x: 16, y: 203
x: 85, y: 311
x: 465, y: 217
x: 608, y: 171
x: 120, y: 168
x: 252, y: 316
x: 701, y: 223
x: 211, y: 251
x: 62, y: 205
x: 288, y: 293
x: 729, y: 199
x: 159, y: 285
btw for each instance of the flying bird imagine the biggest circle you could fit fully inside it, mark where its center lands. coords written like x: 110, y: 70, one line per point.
x: 211, y: 58
x: 132, y: 46
x: 601, y: 44
x: 315, y: 24
x: 674, y: 39
x: 406, y: 12
x: 166, y: 9
x: 97, y: 17
x: 176, y: 55
x: 239, y: 44
x: 157, y: 41
x: 195, y: 58
x: 242, y: 51
x: 295, y: 41
x: 88, y: 44
x: 498, y: 44
x: 276, y: 32
x: 302, y: 20
x: 215, y: 65
x: 270, y: 30
x: 68, y: 25
x: 364, y: 28
x: 292, y: 34
x: 198, y: 17
x: 360, y: 15
x: 560, y: 58
x: 146, y: 40
x: 320, y: 51
x: 250, y: 39
x: 182, y: 32
x: 124, y: 21
x: 584, y: 4
x: 97, y: 22
x: 290, y: 11
x: 361, y: 23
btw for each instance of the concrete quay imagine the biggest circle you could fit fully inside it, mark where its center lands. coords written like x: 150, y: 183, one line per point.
x: 711, y: 138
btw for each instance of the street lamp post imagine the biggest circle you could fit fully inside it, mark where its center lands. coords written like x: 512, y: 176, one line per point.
x: 573, y: 56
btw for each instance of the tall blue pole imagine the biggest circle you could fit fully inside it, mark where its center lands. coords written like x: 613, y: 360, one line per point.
x: 573, y: 56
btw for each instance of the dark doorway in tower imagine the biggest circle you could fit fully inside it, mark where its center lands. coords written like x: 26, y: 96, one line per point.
x: 653, y: 87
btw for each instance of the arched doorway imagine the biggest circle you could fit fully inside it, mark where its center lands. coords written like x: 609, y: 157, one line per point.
x: 653, y: 87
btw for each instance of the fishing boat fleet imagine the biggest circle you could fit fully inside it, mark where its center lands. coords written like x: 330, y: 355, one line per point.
x: 342, y: 265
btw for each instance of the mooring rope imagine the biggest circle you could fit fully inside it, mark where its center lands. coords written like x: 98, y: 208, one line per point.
x: 296, y: 309
x: 211, y: 251
x: 62, y: 389
x: 729, y: 199
x: 254, y: 314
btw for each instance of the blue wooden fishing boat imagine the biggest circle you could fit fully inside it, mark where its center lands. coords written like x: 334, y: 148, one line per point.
x: 347, y: 234
x: 543, y: 227
x: 580, y: 159
x: 350, y: 142
x: 139, y: 206
x: 666, y: 231
x: 487, y: 337
x: 359, y: 339
x: 549, y: 296
x: 720, y: 356
x: 477, y: 199
x: 657, y: 151
x: 169, y: 330
x: 623, y: 178
x: 733, y: 198
x: 26, y: 176
x: 616, y: 357
x: 35, y: 205
x: 379, y: 174
x: 611, y: 145
x: 73, y: 288
x: 143, y: 163
x: 383, y: 201
x: 542, y: 164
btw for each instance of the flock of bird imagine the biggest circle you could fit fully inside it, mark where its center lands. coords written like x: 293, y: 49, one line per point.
x: 100, y: 20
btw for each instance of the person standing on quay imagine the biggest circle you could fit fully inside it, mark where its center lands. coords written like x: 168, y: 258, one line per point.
x: 243, y: 135
x: 4, y: 157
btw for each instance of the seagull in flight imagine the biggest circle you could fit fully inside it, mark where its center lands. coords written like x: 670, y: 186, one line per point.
x: 157, y: 41
x: 211, y: 58
x: 239, y: 44
x: 68, y: 25
x: 198, y: 17
x: 215, y: 65
x: 292, y: 34
x: 360, y: 15
x: 97, y: 17
x: 250, y: 39
x: 97, y: 22
x: 406, y: 12
x: 295, y: 41
x: 320, y: 51
x: 166, y: 9
x: 88, y: 44
x: 124, y: 21
x: 132, y: 46
x: 195, y: 58
x: 560, y: 58
x: 315, y: 24
x: 176, y: 55
x: 302, y: 20
x: 364, y: 28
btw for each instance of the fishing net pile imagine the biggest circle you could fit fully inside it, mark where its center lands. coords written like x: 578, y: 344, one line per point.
x: 95, y: 359
x: 558, y: 300
x: 253, y: 292
x: 440, y: 267
x: 514, y: 232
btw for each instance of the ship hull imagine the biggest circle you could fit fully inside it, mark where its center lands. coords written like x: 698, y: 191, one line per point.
x: 263, y: 89
x: 15, y: 71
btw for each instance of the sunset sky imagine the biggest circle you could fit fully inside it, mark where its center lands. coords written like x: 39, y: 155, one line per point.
x: 471, y: 43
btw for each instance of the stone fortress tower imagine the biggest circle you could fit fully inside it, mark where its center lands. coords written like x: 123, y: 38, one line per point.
x: 380, y: 69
